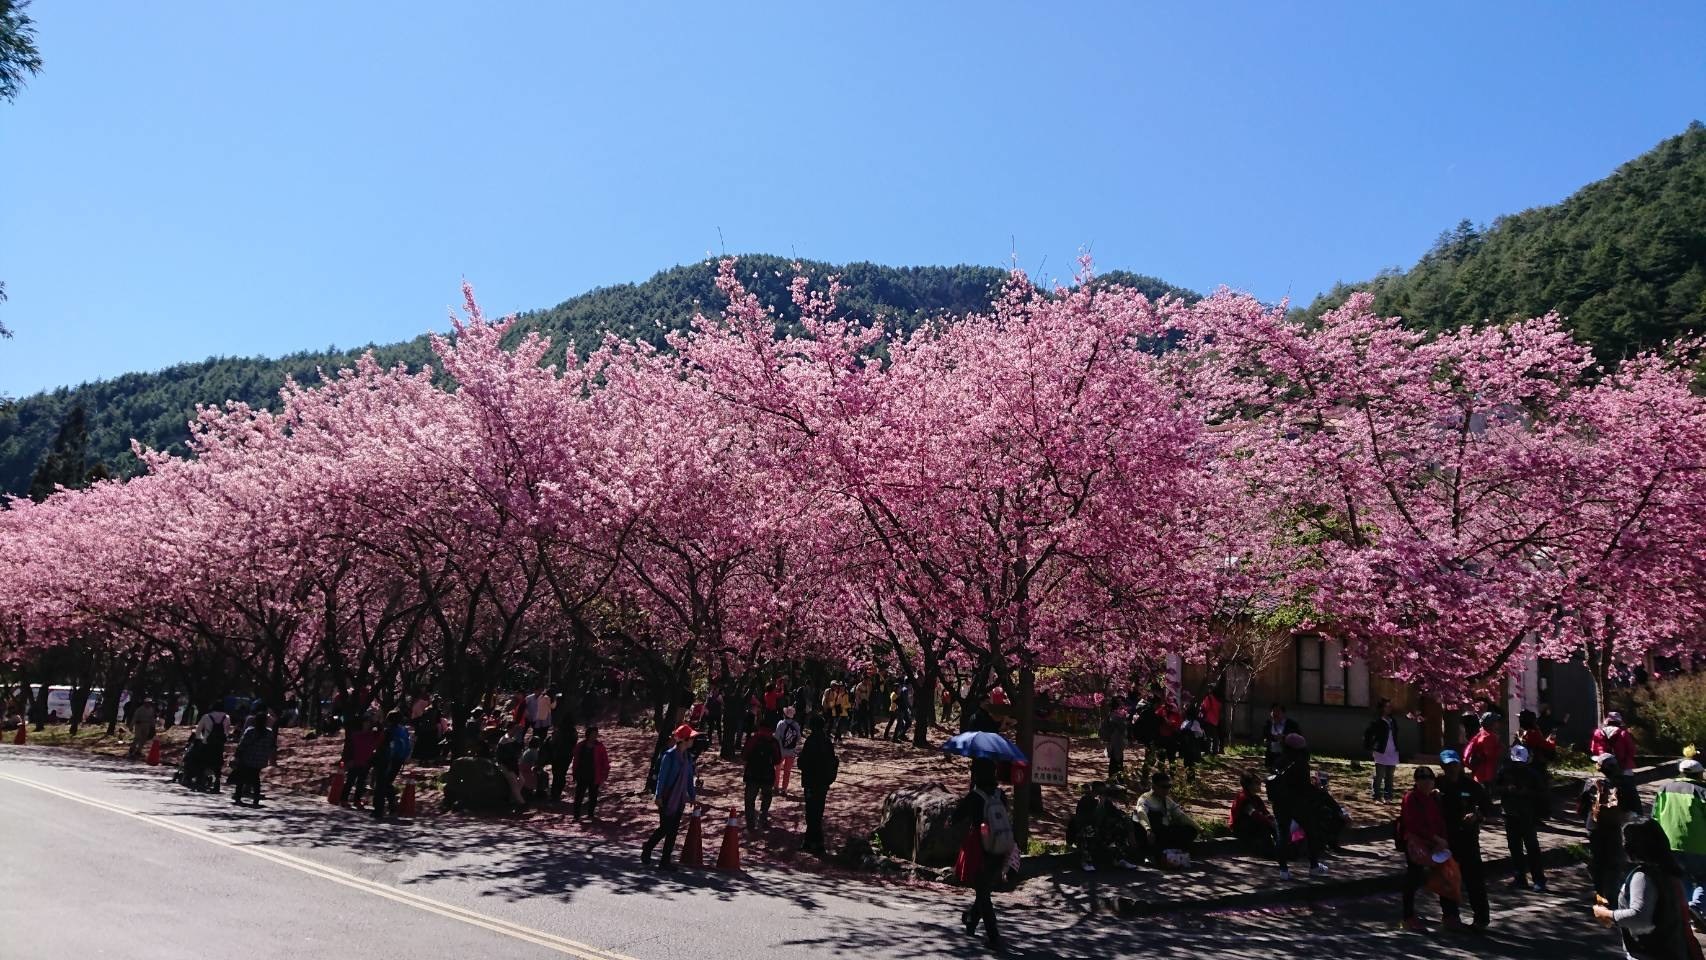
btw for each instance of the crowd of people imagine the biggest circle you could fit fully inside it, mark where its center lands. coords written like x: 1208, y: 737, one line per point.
x: 1648, y: 868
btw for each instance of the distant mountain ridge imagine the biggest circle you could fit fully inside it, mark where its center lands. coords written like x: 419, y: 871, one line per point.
x: 1623, y: 260
x: 156, y: 407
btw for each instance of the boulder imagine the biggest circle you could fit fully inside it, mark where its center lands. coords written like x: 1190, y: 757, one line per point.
x: 903, y: 810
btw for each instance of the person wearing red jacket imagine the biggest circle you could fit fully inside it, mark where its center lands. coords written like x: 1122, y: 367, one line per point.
x: 1615, y: 739
x: 358, y: 759
x: 1211, y: 711
x: 1484, y: 751
x: 1421, y: 834
x: 590, y: 768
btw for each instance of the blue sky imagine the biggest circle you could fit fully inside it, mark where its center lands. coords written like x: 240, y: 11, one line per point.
x: 190, y: 179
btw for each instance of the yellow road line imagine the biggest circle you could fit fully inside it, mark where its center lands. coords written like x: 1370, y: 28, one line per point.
x: 516, y: 931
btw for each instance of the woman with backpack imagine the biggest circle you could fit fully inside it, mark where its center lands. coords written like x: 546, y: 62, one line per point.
x: 254, y: 751
x: 982, y: 814
x: 1652, y: 908
x: 388, y: 762
x: 788, y: 737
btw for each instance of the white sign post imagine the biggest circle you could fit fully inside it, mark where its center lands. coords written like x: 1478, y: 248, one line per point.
x: 1048, y: 760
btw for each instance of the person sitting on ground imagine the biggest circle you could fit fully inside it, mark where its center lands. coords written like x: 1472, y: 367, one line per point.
x: 1082, y: 814
x: 1170, y: 828
x: 1250, y: 819
x: 527, y: 769
x: 1106, y: 835
x: 508, y: 756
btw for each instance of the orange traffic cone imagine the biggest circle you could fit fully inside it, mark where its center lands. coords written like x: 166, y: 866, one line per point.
x: 407, y: 807
x: 693, y: 851
x: 729, y: 860
x: 22, y: 736
x: 154, y: 752
x: 335, y: 790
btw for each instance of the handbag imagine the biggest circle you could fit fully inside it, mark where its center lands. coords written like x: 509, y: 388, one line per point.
x: 1446, y: 880
x: 969, y: 864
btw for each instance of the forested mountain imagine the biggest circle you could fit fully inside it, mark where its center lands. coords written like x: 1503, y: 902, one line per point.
x: 155, y: 407
x: 1624, y: 259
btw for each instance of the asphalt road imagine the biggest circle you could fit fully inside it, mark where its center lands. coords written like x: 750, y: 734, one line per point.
x: 103, y: 858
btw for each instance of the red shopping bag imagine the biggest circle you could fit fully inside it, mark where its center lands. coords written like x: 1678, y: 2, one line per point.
x: 970, y: 861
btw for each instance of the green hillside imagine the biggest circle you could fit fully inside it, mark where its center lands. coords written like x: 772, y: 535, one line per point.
x: 155, y: 407
x: 1624, y: 259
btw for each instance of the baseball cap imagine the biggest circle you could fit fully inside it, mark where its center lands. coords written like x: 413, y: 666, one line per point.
x: 685, y: 732
x: 1449, y: 757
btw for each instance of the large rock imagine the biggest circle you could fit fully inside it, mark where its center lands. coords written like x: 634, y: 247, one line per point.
x: 929, y: 804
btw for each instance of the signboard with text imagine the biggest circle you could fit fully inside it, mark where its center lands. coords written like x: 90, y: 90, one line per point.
x: 1048, y: 760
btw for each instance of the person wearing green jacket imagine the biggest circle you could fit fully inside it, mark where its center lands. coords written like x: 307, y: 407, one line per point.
x: 1680, y: 808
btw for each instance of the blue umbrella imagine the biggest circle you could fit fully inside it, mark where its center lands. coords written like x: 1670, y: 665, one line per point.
x: 982, y: 744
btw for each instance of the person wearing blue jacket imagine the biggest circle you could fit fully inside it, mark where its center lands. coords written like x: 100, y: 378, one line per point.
x: 676, y: 788
x: 388, y: 762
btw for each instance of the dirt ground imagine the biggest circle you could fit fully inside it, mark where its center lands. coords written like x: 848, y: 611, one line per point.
x: 870, y: 769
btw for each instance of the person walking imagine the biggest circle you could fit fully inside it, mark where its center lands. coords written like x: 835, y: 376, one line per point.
x: 1680, y: 810
x: 1422, y: 836
x: 837, y: 707
x: 388, y: 760
x: 1381, y: 740
x: 818, y: 768
x: 1291, y: 793
x: 1608, y: 801
x: 1465, y: 804
x: 763, y: 760
x: 214, y: 729
x: 255, y: 750
x: 982, y: 816
x: 903, y: 705
x: 1613, y: 737
x: 1482, y: 755
x: 1651, y: 913
x: 1523, y: 793
x: 676, y: 787
x: 141, y: 728
x: 1190, y: 736
x: 1274, y: 734
x: 1213, y: 711
x: 1113, y: 740
x: 591, y: 768
x: 537, y: 710
x: 713, y: 713
x: 359, y: 750
x: 788, y: 739
x: 560, y: 754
